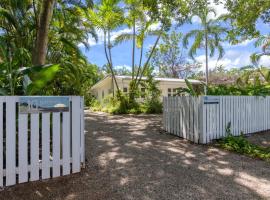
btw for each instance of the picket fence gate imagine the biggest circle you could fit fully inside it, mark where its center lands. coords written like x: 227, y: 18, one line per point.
x: 205, y: 118
x: 40, y: 145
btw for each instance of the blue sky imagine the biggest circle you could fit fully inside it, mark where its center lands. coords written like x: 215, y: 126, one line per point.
x: 235, y: 55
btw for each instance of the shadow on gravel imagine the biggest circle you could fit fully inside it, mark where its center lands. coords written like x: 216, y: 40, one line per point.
x: 129, y: 157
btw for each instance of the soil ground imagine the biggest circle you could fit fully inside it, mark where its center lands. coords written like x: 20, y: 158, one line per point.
x: 129, y: 157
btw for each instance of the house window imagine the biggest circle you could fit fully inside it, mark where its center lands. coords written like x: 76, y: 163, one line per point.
x: 125, y: 89
x: 172, y: 92
x: 142, y: 92
x: 102, y: 94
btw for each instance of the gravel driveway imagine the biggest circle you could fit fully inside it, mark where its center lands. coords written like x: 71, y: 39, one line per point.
x: 129, y: 157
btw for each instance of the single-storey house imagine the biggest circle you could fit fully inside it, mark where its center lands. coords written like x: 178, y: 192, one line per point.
x: 106, y: 86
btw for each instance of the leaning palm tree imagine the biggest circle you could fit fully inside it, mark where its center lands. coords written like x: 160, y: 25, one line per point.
x: 208, y: 37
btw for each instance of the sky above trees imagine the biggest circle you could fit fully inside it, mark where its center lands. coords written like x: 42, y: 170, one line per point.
x: 235, y: 55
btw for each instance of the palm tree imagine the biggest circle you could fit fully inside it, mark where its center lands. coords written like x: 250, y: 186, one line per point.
x: 264, y: 42
x: 106, y: 17
x: 208, y: 37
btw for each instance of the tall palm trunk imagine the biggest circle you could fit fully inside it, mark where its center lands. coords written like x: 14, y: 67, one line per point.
x: 40, y: 50
x: 206, y: 59
x: 109, y: 58
x: 133, y: 48
x: 138, y: 79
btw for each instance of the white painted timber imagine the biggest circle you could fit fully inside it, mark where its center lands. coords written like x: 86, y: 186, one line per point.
x: 10, y: 140
x: 200, y: 120
x: 34, y: 174
x: 23, y: 140
x: 56, y: 144
x: 76, y: 114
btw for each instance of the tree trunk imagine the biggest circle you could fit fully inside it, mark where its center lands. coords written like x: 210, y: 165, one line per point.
x: 206, y: 60
x: 40, y: 51
x: 133, y: 48
x: 138, y: 79
x: 109, y: 59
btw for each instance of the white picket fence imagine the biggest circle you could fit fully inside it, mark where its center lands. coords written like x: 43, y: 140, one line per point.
x: 40, y: 145
x: 205, y: 118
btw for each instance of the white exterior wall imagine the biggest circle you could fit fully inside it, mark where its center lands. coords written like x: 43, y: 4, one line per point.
x: 164, y: 86
x: 107, y: 85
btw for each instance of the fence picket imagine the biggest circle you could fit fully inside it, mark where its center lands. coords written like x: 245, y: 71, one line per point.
x: 56, y: 144
x: 23, y: 144
x: 2, y: 99
x: 46, y: 145
x: 10, y: 141
x: 66, y: 143
x: 34, y: 175
x: 75, y: 130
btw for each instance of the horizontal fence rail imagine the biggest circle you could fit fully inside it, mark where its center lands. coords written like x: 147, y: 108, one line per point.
x: 39, y: 142
x: 205, y: 118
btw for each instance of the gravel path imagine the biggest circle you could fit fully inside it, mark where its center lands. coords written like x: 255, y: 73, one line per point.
x: 128, y: 157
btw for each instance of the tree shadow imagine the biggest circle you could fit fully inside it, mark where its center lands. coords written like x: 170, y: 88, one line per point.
x: 130, y: 157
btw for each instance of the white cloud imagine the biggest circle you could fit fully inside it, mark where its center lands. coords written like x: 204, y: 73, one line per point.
x: 233, y: 59
x: 115, y: 34
x: 265, y: 61
x: 241, y: 44
x: 122, y: 67
x: 92, y: 42
x: 196, y: 19
x: 219, y: 8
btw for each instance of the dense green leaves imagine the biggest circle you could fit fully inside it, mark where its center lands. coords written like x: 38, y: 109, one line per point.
x: 68, y: 30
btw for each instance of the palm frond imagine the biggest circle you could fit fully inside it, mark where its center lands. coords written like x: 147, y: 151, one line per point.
x: 189, y: 35
x: 122, y: 38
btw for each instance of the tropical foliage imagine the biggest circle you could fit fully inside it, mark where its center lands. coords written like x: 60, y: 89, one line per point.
x: 40, y: 47
x: 242, y: 145
x: 209, y: 37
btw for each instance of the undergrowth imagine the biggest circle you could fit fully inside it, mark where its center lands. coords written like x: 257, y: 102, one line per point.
x: 241, y: 145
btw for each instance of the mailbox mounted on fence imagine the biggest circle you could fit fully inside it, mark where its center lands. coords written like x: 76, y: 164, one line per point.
x: 210, y: 100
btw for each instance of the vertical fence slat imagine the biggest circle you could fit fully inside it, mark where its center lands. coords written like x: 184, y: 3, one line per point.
x: 66, y: 143
x: 75, y: 131
x: 45, y: 145
x: 82, y: 132
x: 2, y: 99
x: 196, y: 120
x: 56, y: 144
x: 34, y: 174
x: 191, y: 119
x: 23, y: 144
x: 10, y: 140
x: 205, y: 121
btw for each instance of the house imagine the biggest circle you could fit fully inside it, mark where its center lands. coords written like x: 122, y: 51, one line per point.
x: 167, y: 86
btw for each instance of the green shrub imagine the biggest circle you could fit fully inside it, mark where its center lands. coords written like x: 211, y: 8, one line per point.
x: 152, y: 107
x: 241, y: 145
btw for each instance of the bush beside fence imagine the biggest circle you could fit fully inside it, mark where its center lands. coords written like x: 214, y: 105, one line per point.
x: 202, y: 119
